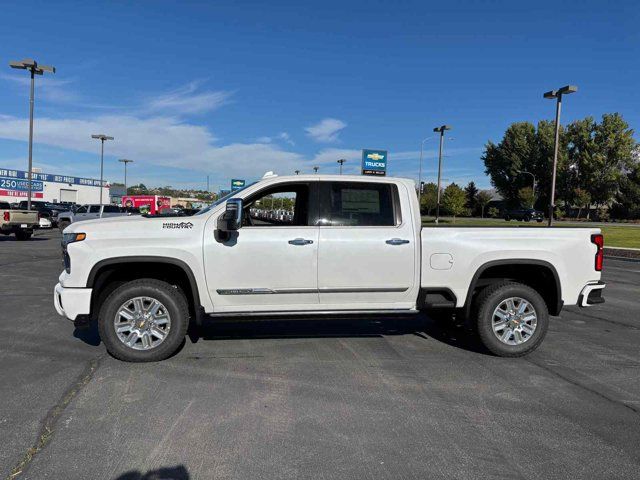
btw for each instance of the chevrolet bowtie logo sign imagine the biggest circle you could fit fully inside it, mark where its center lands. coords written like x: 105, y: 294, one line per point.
x: 237, y: 184
x: 374, y: 162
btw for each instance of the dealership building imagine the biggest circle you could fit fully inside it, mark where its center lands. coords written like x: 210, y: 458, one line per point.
x: 48, y: 187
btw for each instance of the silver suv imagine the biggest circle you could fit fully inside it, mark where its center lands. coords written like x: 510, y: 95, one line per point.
x: 89, y: 212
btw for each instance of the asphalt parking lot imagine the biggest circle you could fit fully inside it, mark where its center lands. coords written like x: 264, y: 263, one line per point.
x: 378, y: 398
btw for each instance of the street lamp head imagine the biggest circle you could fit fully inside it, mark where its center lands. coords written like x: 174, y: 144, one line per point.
x: 551, y: 94
x: 442, y: 128
x: 47, y: 68
x: 125, y: 160
x: 568, y: 89
x: 341, y: 161
x: 101, y: 136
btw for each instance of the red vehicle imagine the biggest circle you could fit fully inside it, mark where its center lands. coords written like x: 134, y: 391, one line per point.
x: 147, y: 203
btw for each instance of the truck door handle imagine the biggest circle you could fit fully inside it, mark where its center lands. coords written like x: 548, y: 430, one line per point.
x: 397, y: 241
x: 300, y: 241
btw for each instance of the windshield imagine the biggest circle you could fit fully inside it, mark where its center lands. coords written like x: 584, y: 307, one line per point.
x: 224, y: 199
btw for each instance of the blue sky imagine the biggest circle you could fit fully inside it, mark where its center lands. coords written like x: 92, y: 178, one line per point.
x: 232, y: 89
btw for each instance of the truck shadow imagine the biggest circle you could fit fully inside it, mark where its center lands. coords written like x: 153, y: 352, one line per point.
x: 423, y: 326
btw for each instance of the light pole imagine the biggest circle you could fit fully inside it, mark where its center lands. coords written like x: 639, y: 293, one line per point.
x: 102, y: 137
x: 558, y: 95
x: 440, y: 129
x: 341, y: 161
x: 420, y: 168
x: 125, y: 161
x: 534, y: 184
x: 297, y: 172
x: 34, y: 69
x: 315, y: 169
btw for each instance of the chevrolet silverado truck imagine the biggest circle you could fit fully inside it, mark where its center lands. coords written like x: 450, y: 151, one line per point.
x: 19, y: 222
x: 354, y: 245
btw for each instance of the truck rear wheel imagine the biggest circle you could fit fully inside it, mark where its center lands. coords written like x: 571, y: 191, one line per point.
x: 143, y: 320
x: 62, y: 224
x: 511, y: 319
x: 23, y: 234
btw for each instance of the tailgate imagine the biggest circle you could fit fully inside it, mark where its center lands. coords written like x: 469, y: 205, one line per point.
x: 22, y: 217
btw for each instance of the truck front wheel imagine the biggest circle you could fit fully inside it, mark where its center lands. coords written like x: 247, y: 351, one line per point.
x: 511, y: 319
x: 143, y: 320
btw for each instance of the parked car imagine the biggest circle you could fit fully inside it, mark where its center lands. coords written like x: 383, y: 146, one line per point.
x: 89, y: 212
x: 49, y: 208
x: 354, y: 246
x: 19, y: 222
x: 526, y: 214
x: 45, y: 220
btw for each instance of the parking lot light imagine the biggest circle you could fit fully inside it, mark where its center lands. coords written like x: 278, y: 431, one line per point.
x: 341, y: 162
x: 440, y: 130
x: 102, y: 137
x: 315, y: 169
x: 125, y: 161
x: 34, y: 69
x: 557, y: 94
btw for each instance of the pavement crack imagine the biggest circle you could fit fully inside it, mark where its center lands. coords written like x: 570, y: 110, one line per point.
x: 49, y: 422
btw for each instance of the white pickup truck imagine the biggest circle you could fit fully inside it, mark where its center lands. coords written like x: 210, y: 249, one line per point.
x: 353, y: 245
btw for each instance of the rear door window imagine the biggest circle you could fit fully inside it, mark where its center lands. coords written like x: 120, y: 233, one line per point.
x: 111, y: 209
x: 358, y: 204
x: 94, y: 209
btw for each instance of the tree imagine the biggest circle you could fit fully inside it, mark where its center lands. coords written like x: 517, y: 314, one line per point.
x: 429, y: 198
x: 493, y: 212
x: 526, y: 196
x: 483, y: 198
x: 627, y: 200
x: 581, y: 198
x: 471, y: 191
x: 453, y: 200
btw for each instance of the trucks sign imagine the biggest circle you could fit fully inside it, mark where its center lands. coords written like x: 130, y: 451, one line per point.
x: 236, y: 184
x: 374, y: 162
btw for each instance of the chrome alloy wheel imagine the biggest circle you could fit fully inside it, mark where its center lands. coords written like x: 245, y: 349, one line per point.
x: 514, y: 321
x: 142, y: 323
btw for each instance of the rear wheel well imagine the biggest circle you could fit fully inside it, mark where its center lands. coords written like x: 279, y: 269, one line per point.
x: 109, y: 277
x: 542, y: 277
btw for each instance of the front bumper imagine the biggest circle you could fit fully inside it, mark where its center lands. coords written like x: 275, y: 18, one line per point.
x: 71, y: 302
x: 591, y: 294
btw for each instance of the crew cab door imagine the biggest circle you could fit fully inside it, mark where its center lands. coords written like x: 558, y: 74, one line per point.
x: 270, y: 264
x: 367, y: 253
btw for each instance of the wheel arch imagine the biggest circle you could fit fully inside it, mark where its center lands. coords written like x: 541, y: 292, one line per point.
x: 108, y: 274
x: 531, y: 272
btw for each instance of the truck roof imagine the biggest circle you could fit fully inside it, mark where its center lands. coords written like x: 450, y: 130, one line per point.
x: 329, y: 177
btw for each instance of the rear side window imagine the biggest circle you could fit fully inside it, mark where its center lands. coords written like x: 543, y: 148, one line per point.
x: 111, y: 209
x: 94, y: 209
x: 358, y: 204
x: 5, y: 206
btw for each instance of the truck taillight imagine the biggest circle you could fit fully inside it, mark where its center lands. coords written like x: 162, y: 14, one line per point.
x: 598, y: 240
x: 7, y: 216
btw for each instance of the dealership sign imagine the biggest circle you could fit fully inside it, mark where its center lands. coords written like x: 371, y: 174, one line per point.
x: 374, y: 162
x: 236, y: 184
x: 18, y: 184
x: 47, y: 177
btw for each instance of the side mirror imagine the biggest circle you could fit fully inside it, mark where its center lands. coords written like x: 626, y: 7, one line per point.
x: 231, y: 219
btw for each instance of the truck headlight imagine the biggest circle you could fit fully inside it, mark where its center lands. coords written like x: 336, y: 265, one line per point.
x: 68, y: 238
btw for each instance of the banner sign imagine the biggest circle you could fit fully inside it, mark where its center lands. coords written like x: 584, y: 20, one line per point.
x: 18, y: 193
x: 374, y: 162
x: 48, y: 177
x: 236, y: 184
x: 20, y: 185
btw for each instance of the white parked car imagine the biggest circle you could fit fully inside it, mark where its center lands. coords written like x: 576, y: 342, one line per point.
x: 353, y: 245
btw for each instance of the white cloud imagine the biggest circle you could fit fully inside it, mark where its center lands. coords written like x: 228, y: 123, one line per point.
x: 187, y: 100
x: 47, y: 87
x: 264, y: 139
x: 327, y: 130
x: 284, y: 136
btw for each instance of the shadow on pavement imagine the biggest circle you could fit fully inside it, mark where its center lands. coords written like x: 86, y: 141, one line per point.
x: 179, y: 472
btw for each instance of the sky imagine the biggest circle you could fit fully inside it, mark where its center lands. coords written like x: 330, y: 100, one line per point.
x: 234, y: 89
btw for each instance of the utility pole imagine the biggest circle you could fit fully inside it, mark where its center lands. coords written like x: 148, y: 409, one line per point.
x: 558, y: 95
x: 102, y: 137
x: 420, y: 168
x: 125, y: 161
x: 440, y: 129
x: 207, y: 183
x: 34, y: 69
x: 341, y: 162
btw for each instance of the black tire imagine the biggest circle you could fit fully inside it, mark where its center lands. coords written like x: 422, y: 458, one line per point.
x: 23, y: 235
x: 527, y: 218
x: 63, y: 224
x: 176, y: 305
x: 489, y: 299
x: 507, y: 218
x: 539, y: 220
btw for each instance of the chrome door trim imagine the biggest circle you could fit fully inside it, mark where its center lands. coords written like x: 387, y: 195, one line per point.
x: 272, y: 291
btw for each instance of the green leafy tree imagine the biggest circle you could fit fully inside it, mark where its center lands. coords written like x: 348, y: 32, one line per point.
x: 483, y: 198
x: 627, y: 200
x: 582, y: 199
x: 526, y: 196
x: 429, y: 198
x: 453, y: 200
x: 493, y: 212
x: 471, y: 191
